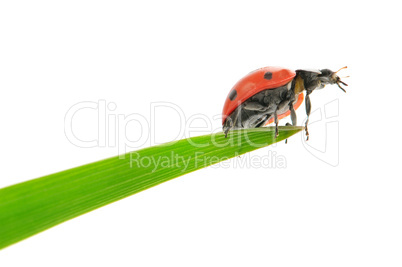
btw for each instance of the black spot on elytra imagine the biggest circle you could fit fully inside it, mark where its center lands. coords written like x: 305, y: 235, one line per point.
x: 268, y: 75
x: 233, y: 94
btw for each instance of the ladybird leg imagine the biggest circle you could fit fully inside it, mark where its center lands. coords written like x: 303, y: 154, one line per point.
x: 276, y: 123
x: 255, y: 106
x: 308, y: 110
x: 233, y: 121
x: 228, y: 125
x: 226, y: 132
x: 236, y: 121
x: 287, y: 124
x: 293, y: 115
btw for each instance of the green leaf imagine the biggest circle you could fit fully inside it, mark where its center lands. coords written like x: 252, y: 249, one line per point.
x: 36, y: 205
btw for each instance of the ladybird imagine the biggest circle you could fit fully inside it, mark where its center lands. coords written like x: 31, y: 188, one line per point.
x: 269, y: 94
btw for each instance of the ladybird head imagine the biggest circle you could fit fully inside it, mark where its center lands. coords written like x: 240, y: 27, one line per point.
x: 329, y: 77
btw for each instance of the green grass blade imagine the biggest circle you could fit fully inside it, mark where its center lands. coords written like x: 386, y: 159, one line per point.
x: 36, y: 205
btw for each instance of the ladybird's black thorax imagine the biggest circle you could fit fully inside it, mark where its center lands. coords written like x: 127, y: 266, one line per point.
x: 310, y: 80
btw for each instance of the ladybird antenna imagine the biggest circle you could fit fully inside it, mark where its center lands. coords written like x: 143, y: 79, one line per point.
x: 341, y: 69
x: 345, y: 77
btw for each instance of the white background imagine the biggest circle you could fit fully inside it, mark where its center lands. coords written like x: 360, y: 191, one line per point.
x: 56, y: 54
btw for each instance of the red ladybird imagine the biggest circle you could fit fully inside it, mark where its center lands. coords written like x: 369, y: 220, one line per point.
x: 269, y: 94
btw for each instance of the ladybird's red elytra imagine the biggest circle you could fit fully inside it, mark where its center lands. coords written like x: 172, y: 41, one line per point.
x: 269, y: 94
x: 256, y: 82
